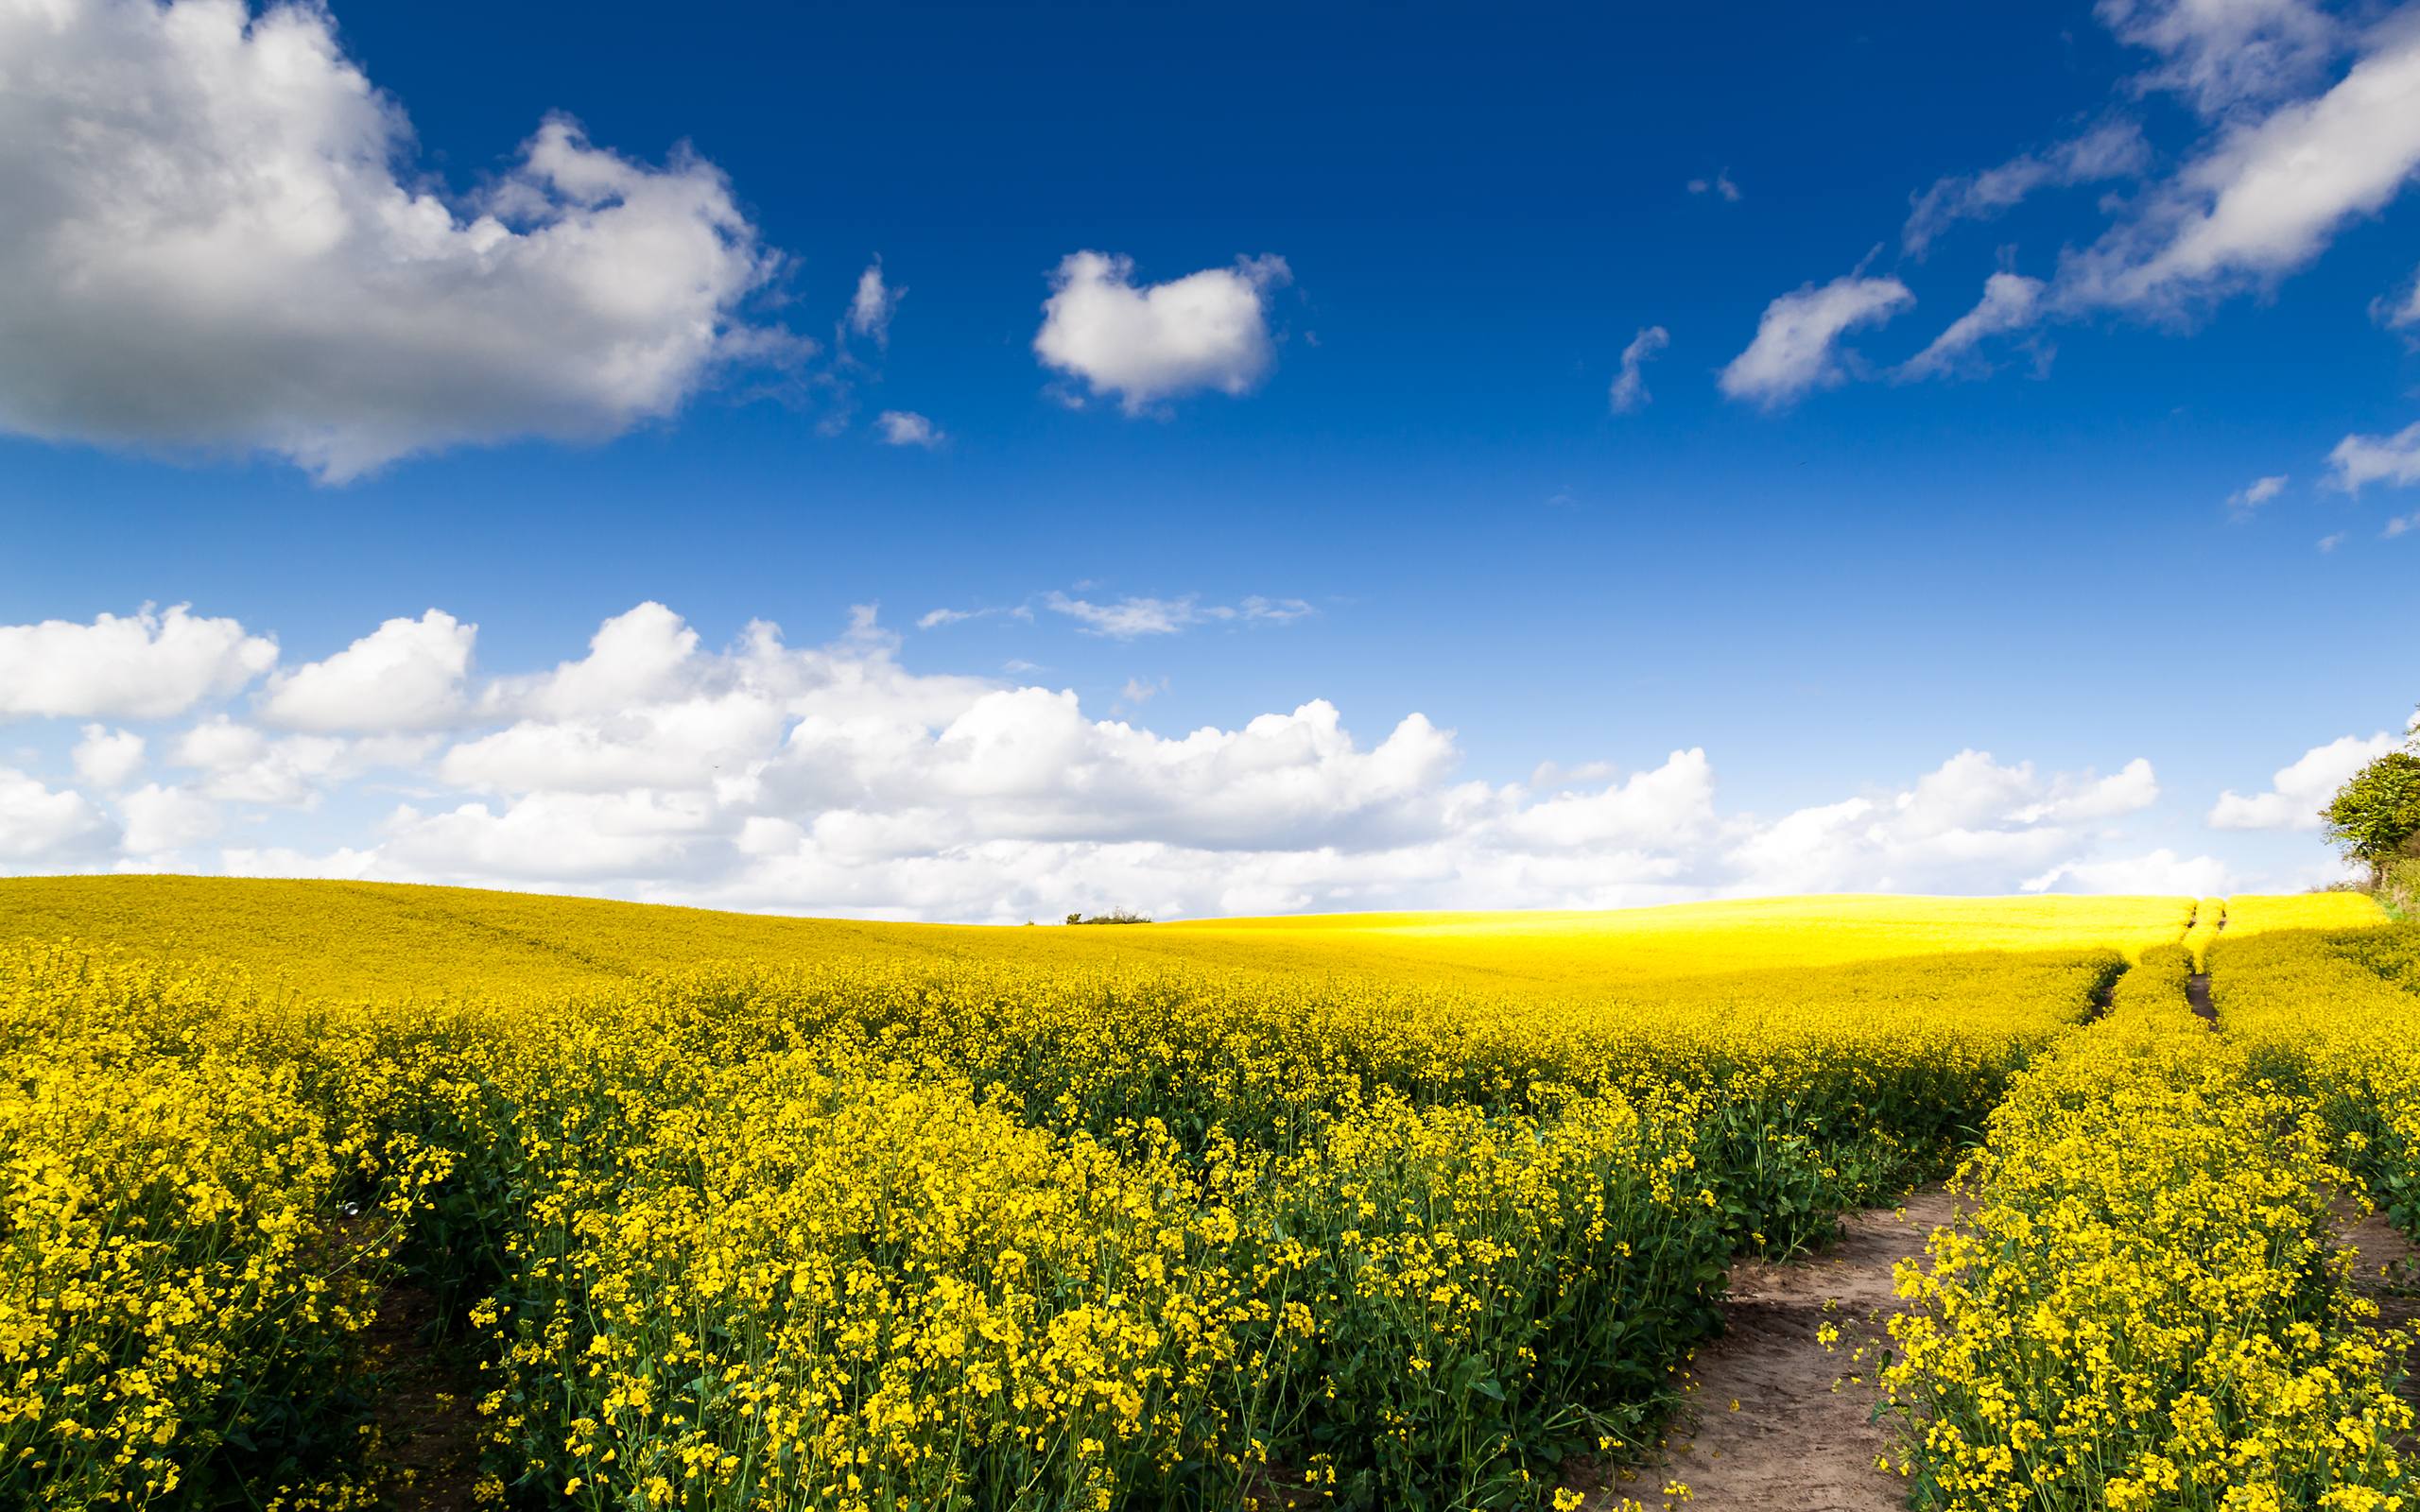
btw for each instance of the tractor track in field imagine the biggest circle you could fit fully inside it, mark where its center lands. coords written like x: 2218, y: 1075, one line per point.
x: 1776, y: 1421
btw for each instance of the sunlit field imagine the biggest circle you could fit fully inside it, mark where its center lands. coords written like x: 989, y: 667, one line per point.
x: 713, y: 1211
x: 377, y: 940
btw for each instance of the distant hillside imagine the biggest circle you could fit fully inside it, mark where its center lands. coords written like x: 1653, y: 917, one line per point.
x: 387, y: 940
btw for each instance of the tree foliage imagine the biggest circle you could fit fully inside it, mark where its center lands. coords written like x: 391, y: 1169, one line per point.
x: 2376, y: 817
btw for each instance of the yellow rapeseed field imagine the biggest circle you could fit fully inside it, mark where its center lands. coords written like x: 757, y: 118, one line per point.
x: 728, y: 1212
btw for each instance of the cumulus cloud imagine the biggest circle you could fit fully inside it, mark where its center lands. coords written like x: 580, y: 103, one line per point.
x: 2008, y: 303
x: 2113, y: 149
x: 1630, y: 386
x: 137, y: 667
x: 2157, y: 872
x: 832, y: 778
x: 2245, y: 501
x: 241, y: 764
x: 2301, y: 788
x: 1719, y: 187
x: 1150, y: 342
x: 217, y: 240
x: 905, y: 427
x: 160, y: 819
x: 107, y: 759
x: 40, y: 827
x: 2358, y: 461
x: 1795, y: 347
x: 405, y: 675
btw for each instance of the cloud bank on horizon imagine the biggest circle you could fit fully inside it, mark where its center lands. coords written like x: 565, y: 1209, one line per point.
x: 832, y: 778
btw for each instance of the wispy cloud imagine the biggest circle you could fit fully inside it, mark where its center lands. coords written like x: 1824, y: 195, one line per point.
x: 874, y: 305
x: 2110, y: 151
x: 2246, y: 501
x: 1131, y: 617
x: 905, y: 427
x: 2361, y: 461
x: 1797, y: 339
x: 1719, y: 187
x: 2006, y: 304
x: 1630, y: 386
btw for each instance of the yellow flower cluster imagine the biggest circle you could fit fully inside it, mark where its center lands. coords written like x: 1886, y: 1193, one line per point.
x: 182, y: 1261
x: 2145, y: 1308
x: 955, y: 1219
x: 2326, y: 996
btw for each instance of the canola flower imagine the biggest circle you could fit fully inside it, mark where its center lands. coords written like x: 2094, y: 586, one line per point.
x: 971, y: 1219
x: 2144, y: 1307
x: 2325, y: 994
x: 181, y: 1266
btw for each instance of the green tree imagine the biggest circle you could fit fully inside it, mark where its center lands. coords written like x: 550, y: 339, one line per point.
x: 2376, y: 817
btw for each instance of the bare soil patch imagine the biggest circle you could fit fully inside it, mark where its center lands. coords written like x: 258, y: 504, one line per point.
x: 1777, y: 1421
x: 2387, y: 1271
x: 425, y: 1413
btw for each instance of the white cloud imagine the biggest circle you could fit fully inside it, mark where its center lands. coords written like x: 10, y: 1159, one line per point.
x: 2332, y: 541
x: 832, y: 780
x: 905, y: 427
x: 1793, y: 351
x: 241, y: 764
x: 642, y: 654
x: 166, y: 818
x: 2008, y: 303
x: 2401, y: 525
x: 1128, y: 618
x: 2361, y: 460
x: 2249, y: 498
x: 2268, y: 196
x: 2299, y: 790
x: 1720, y: 185
x: 2071, y: 800
x: 1630, y: 386
x: 218, y: 240
x: 405, y: 675
x: 2408, y: 312
x: 1968, y: 820
x: 137, y: 667
x: 2159, y: 872
x: 107, y: 759
x: 2221, y: 54
x: 873, y: 303
x: 40, y: 827
x: 1206, y: 330
x: 2113, y: 149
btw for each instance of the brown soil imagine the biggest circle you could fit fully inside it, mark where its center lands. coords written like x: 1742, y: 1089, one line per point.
x: 426, y: 1416
x: 2387, y: 1271
x: 1778, y: 1422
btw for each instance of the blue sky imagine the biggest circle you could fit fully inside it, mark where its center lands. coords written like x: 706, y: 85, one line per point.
x: 1383, y: 410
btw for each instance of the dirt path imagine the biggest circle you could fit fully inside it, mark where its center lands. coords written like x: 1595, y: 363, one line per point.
x: 427, y: 1430
x: 1802, y: 1436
